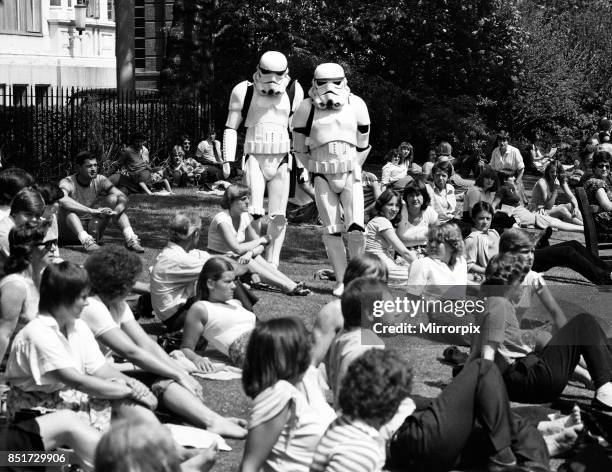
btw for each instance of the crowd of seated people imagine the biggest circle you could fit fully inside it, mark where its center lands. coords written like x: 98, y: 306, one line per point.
x: 62, y: 326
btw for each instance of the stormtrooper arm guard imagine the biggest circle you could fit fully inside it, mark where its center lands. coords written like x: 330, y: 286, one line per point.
x: 363, y: 128
x: 234, y: 118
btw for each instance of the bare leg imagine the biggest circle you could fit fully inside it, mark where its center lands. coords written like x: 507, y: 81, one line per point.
x: 66, y: 428
x: 182, y: 402
x: 270, y: 274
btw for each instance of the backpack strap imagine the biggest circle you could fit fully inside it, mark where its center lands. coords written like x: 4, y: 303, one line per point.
x: 291, y: 95
x: 248, y: 97
x: 308, y: 126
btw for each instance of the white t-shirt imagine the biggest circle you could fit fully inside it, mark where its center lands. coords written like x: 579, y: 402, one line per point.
x: 226, y: 323
x: 40, y: 347
x: 415, y: 234
x: 100, y: 320
x: 433, y: 278
x: 532, y: 285
x: 216, y: 242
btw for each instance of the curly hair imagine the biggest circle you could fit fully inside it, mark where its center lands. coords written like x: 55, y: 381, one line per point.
x: 278, y: 350
x: 232, y: 193
x: 448, y: 233
x: 385, y: 198
x: 22, y: 240
x: 374, y: 386
x: 505, y: 269
x: 113, y: 271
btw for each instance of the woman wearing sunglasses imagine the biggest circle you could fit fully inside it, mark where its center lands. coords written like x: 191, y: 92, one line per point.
x: 30, y: 254
x: 599, y: 193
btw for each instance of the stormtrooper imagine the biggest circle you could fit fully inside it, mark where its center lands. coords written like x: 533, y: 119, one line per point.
x: 265, y: 106
x: 331, y: 139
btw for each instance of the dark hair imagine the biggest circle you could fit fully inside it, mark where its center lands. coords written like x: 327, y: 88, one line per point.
x: 416, y: 187
x: 502, y: 135
x: 278, y: 350
x: 50, y: 192
x: 481, y: 206
x: 60, y: 285
x: 599, y: 157
x: 408, y: 146
x: 391, y: 155
x: 358, y: 300
x: 12, y: 181
x: 113, y: 271
x: 82, y: 156
x: 232, y: 193
x: 448, y: 233
x: 442, y: 166
x: 505, y: 269
x: 212, y: 270
x: 182, y: 138
x: 22, y: 240
x: 487, y: 173
x: 28, y: 200
x: 513, y: 240
x: 138, y: 136
x: 374, y: 386
x: 385, y: 198
x: 554, y: 164
x: 366, y: 265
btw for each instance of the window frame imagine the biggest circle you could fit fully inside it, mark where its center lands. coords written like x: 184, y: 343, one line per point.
x: 32, y: 19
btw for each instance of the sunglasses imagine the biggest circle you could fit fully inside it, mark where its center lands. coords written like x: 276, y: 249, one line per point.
x: 603, y: 166
x: 47, y: 245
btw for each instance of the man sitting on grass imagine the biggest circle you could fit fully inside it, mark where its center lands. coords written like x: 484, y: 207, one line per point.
x: 79, y: 219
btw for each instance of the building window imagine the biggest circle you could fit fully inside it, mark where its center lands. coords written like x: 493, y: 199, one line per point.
x: 3, y: 95
x: 139, y: 34
x: 20, y: 16
x: 110, y: 10
x: 56, y: 3
x: 20, y: 95
x: 41, y: 92
x: 93, y: 9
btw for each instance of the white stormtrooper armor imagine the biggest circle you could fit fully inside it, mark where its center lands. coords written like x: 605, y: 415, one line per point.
x: 267, y: 145
x: 331, y: 139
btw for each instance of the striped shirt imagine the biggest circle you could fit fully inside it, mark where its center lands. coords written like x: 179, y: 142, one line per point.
x: 351, y: 446
x: 310, y: 416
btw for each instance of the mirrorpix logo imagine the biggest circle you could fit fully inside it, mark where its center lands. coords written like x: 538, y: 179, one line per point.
x: 389, y: 316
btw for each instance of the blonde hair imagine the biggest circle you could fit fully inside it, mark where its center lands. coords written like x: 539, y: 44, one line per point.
x: 448, y: 233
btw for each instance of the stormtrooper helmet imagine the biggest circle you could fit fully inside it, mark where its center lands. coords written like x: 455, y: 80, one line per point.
x: 272, y: 76
x: 329, y: 87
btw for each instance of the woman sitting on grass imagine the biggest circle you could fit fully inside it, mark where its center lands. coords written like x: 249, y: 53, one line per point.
x: 382, y: 240
x: 113, y: 272
x: 289, y: 413
x: 483, y: 242
x: 30, y: 254
x: 443, y: 199
x: 537, y: 377
x: 217, y: 316
x: 599, y: 193
x: 55, y: 361
x: 484, y: 189
x: 509, y: 196
x: 231, y: 233
x: 545, y: 191
x: 416, y: 217
x: 329, y: 321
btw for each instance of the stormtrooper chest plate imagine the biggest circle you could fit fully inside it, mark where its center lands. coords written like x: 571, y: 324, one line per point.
x: 268, y: 109
x: 333, y: 125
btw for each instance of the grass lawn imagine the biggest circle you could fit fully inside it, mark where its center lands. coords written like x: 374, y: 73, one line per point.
x: 303, y: 254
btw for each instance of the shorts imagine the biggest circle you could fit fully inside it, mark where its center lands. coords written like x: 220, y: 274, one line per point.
x: 237, y: 350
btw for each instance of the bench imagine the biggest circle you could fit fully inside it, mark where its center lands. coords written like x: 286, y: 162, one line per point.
x: 590, y: 233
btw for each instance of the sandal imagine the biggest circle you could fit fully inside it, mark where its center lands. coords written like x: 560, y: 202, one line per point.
x: 325, y: 274
x: 299, y: 291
